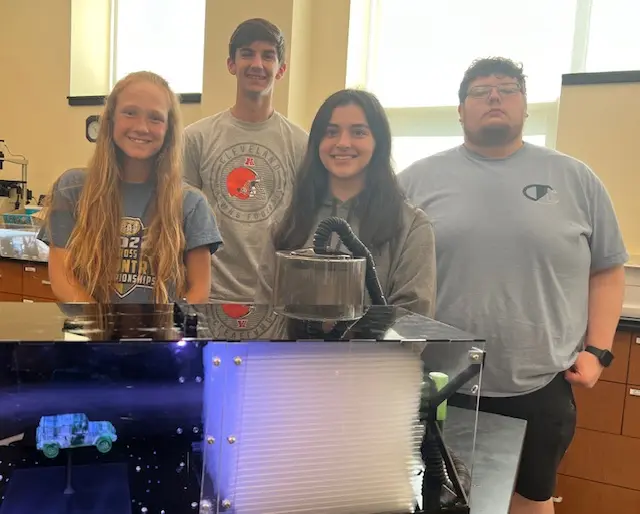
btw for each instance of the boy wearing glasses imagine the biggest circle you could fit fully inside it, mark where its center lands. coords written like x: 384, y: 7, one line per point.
x: 529, y: 256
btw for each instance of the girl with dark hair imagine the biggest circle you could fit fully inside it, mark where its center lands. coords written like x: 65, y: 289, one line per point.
x: 347, y: 172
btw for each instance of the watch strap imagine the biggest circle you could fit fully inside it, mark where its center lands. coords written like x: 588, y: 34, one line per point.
x: 604, y: 356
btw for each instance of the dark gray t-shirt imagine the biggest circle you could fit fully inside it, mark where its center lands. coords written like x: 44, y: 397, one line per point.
x: 135, y: 279
x: 516, y: 241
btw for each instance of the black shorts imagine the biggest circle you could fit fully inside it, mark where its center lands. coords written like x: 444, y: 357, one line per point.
x: 551, y: 424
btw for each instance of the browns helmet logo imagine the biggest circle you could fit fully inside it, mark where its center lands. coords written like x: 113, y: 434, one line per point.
x: 250, y: 183
x: 242, y: 183
x: 241, y: 321
x: 237, y: 310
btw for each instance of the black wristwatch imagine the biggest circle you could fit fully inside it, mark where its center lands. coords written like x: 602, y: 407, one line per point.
x: 604, y: 356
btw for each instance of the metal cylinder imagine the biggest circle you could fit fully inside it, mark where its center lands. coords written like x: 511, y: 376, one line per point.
x: 312, y: 286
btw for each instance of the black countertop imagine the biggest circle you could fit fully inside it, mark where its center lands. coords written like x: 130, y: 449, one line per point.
x: 495, y: 461
x: 629, y: 324
x: 46, y: 321
x: 50, y: 322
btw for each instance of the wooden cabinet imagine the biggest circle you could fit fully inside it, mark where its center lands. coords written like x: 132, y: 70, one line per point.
x: 35, y: 282
x: 24, y: 281
x: 32, y: 299
x: 577, y: 496
x: 617, y: 372
x: 604, y: 458
x: 631, y: 423
x: 10, y: 277
x: 634, y: 360
x: 10, y: 297
x: 602, y: 407
x: 599, y: 472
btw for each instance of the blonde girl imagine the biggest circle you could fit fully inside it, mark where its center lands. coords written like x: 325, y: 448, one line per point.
x: 127, y: 229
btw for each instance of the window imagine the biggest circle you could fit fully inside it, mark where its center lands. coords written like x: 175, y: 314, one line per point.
x: 412, y: 55
x: 407, y: 150
x: 614, y: 40
x: 423, y: 47
x: 111, y: 38
x: 163, y: 36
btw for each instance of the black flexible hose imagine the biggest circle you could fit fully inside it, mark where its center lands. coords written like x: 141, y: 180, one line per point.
x: 340, y: 226
x: 433, y: 462
x: 437, y: 486
x: 435, y: 491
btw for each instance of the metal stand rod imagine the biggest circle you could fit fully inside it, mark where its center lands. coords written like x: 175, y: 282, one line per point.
x: 69, y: 488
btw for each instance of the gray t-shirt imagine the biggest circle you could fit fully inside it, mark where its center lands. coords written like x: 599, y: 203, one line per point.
x: 516, y: 241
x: 247, y: 171
x: 135, y: 279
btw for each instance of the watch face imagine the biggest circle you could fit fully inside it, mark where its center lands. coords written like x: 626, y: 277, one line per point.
x: 607, y: 358
x: 604, y: 356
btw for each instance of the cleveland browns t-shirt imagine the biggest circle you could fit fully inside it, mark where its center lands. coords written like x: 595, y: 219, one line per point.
x: 247, y: 171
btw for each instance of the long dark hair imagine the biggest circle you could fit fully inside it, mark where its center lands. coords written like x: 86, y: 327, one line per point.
x: 379, y: 204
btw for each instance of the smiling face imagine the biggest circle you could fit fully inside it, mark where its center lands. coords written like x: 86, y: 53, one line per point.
x: 256, y: 68
x: 348, y: 144
x: 493, y: 111
x: 140, y: 120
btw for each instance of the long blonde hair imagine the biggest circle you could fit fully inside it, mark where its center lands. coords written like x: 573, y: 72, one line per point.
x: 93, y: 257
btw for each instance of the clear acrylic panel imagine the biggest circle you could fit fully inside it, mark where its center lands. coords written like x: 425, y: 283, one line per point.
x: 306, y: 280
x: 335, y: 426
x: 120, y: 412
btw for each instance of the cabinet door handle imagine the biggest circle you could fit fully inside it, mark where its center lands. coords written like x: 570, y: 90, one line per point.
x: 24, y: 300
x: 30, y: 269
x: 46, y: 282
x: 557, y: 499
x: 634, y: 392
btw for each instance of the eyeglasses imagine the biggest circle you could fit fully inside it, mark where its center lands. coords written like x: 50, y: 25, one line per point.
x: 503, y: 90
